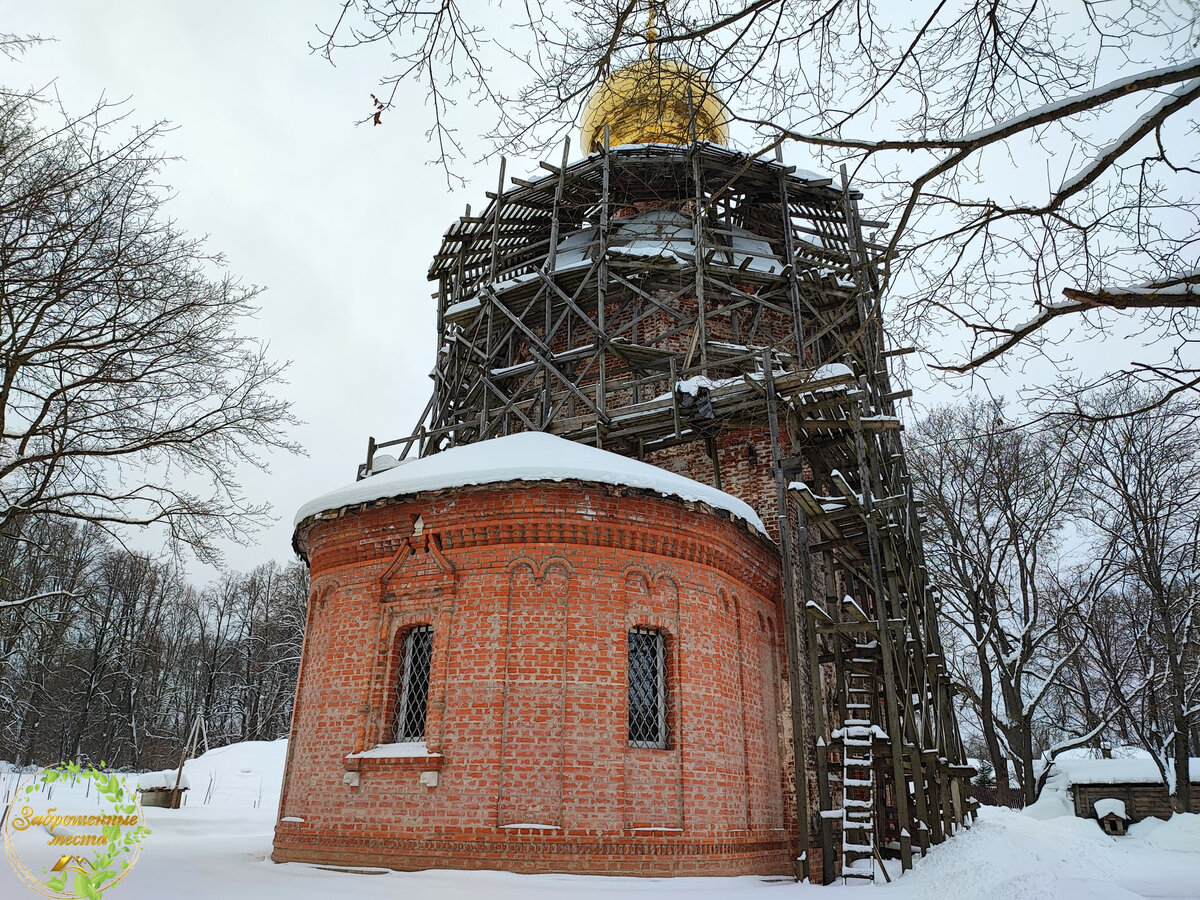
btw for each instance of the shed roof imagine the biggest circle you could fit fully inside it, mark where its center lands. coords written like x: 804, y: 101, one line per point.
x: 1068, y: 772
x: 1109, y: 806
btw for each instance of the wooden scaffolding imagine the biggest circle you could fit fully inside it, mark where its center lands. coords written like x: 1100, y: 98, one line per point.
x: 679, y: 304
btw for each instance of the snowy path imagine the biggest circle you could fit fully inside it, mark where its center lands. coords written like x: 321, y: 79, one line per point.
x: 222, y: 851
x: 212, y: 852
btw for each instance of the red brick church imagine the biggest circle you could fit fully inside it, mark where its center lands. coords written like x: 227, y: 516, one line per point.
x: 643, y: 592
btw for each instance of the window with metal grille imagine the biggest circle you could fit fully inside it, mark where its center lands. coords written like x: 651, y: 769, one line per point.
x: 411, y: 701
x: 647, y: 689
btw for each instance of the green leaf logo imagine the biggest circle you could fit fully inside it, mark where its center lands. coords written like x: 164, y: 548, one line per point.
x: 108, y: 833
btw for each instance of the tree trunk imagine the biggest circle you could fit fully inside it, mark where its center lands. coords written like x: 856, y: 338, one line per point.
x: 1182, y: 799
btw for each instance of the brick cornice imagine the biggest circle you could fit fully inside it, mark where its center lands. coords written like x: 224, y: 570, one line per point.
x: 709, y: 537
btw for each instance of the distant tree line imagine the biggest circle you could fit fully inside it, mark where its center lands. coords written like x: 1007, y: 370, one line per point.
x: 1066, y: 552
x: 116, y: 654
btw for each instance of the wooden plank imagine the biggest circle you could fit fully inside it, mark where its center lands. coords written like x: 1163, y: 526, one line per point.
x: 832, y: 425
x: 792, y: 623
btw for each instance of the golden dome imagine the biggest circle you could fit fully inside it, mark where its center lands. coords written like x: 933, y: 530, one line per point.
x: 648, y: 102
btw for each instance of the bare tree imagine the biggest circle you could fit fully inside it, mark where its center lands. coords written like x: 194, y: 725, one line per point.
x: 272, y: 611
x: 129, y: 394
x: 53, y: 562
x: 997, y: 499
x: 1141, y: 478
x: 117, y: 663
x: 1035, y: 163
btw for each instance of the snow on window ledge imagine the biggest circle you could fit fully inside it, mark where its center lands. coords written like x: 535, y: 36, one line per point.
x: 401, y: 750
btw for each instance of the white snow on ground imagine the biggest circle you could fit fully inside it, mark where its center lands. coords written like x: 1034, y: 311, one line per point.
x: 530, y: 456
x: 248, y: 774
x: 222, y: 849
x: 1181, y: 834
x: 1013, y: 856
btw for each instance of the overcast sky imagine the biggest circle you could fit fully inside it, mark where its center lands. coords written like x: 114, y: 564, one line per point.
x: 337, y: 222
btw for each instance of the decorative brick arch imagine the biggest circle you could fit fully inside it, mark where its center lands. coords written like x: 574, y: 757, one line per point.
x: 320, y: 589
x: 418, y: 587
x: 531, y: 589
x: 535, y: 692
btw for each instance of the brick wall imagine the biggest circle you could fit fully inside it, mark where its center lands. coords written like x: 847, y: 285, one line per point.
x: 531, y: 589
x: 744, y: 455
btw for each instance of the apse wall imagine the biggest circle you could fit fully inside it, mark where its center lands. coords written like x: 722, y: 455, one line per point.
x: 531, y: 590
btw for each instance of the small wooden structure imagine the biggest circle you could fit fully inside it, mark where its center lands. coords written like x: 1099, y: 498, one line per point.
x: 165, y: 789
x: 1136, y: 784
x: 1139, y: 800
x: 1111, y: 814
x: 162, y: 789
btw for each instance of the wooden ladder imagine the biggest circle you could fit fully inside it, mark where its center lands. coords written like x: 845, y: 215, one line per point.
x: 858, y: 779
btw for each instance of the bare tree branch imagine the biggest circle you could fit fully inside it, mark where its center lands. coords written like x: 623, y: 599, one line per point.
x: 1015, y: 148
x: 128, y: 392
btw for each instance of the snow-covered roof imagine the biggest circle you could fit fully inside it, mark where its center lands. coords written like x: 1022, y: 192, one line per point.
x: 1112, y: 771
x: 664, y: 234
x: 161, y: 781
x: 530, y: 456
x: 1107, y: 805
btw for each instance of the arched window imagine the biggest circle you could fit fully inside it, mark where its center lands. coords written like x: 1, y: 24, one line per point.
x: 647, y: 689
x: 413, y: 688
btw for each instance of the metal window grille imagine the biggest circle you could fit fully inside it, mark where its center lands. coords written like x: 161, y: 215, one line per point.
x: 411, y: 702
x: 647, y: 689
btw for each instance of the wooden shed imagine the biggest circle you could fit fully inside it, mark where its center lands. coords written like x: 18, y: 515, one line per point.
x: 1136, y: 784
